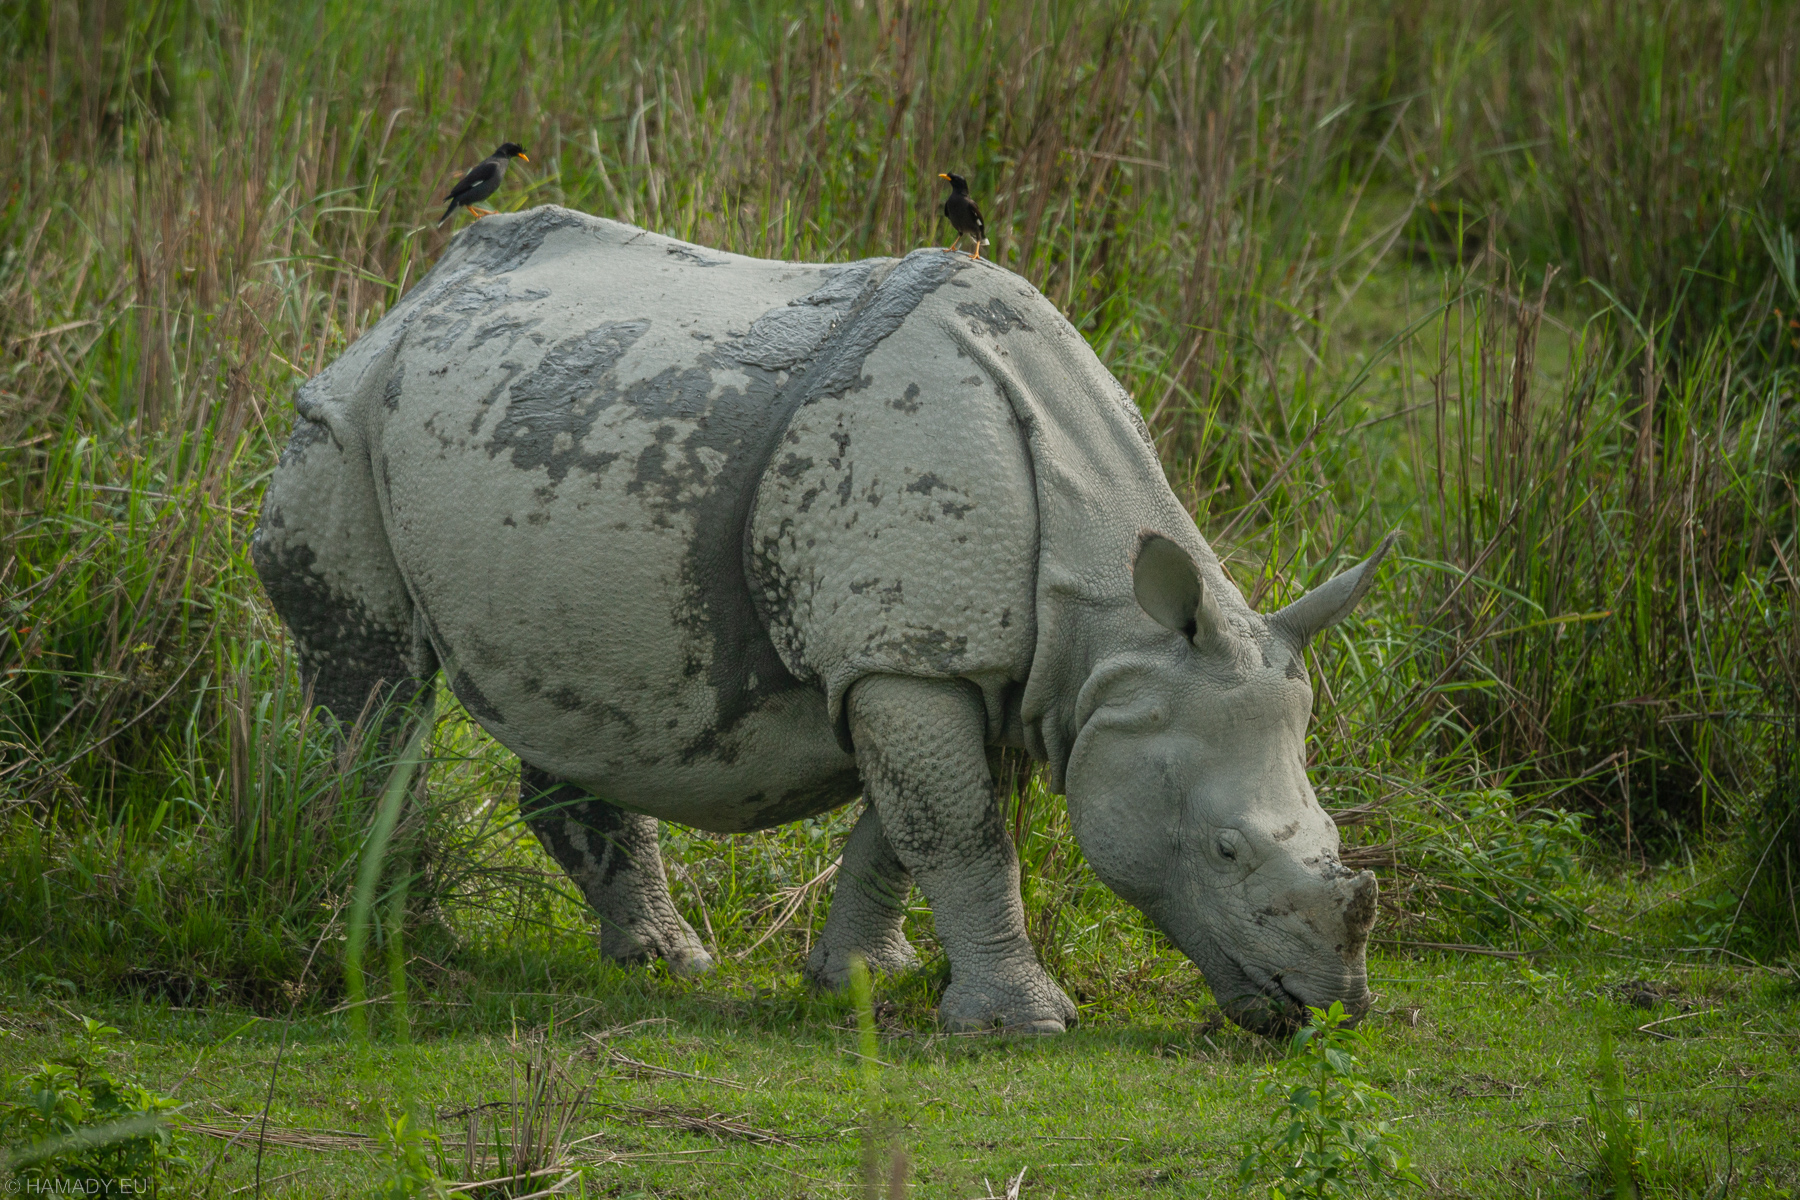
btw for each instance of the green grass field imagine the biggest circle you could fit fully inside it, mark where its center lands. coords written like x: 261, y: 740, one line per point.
x: 1516, y: 280
x: 1491, y: 1068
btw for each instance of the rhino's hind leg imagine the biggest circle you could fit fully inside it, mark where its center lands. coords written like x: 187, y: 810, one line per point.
x: 868, y: 908
x: 613, y: 857
x: 919, y: 744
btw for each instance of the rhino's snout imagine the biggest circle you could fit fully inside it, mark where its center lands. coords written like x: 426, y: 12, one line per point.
x: 1362, y: 895
x: 1276, y: 1004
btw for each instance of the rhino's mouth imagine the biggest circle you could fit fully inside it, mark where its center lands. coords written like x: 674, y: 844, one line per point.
x: 1273, y: 1009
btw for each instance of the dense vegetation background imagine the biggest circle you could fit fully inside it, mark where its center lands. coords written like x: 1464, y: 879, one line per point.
x: 1516, y: 279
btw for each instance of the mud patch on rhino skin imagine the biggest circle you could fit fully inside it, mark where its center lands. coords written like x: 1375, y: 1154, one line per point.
x: 451, y: 318
x: 929, y: 650
x: 473, y: 699
x: 507, y: 245
x: 347, y: 651
x: 307, y: 434
x: 390, y: 391
x: 785, y: 338
x: 589, y: 838
x: 692, y: 254
x: 877, y: 314
x: 511, y: 328
x: 923, y: 485
x: 909, y: 402
x: 799, y: 803
x: 886, y: 597
x: 603, y: 713
x: 993, y: 318
x: 512, y: 371
x: 557, y: 397
x: 844, y: 284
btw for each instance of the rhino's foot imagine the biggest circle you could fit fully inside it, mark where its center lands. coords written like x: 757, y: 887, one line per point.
x: 868, y: 909
x: 828, y: 967
x: 698, y: 962
x: 674, y: 942
x: 1019, y: 997
x: 613, y: 857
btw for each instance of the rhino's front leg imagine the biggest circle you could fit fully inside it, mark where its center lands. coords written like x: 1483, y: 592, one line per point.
x: 613, y: 857
x: 868, y: 908
x: 919, y: 745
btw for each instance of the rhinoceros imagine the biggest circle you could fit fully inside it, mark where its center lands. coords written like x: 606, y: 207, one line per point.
x: 731, y: 542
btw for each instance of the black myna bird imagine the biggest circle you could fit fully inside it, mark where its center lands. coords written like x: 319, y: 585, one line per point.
x: 963, y: 214
x: 482, y: 181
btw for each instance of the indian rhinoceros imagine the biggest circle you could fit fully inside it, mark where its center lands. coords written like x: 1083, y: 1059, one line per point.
x: 730, y: 542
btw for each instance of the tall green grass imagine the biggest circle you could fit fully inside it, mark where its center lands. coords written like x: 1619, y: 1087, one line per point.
x: 1517, y: 280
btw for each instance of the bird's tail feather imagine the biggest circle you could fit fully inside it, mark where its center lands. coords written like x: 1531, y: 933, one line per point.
x: 446, y: 215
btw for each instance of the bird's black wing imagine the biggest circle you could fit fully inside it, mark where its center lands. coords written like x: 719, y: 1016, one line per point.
x: 486, y: 172
x: 980, y: 225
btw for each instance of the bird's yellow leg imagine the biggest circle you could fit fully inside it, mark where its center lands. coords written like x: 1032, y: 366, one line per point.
x: 481, y: 212
x: 978, y: 249
x: 953, y: 245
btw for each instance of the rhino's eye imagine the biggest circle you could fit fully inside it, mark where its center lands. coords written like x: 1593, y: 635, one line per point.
x: 1227, y: 850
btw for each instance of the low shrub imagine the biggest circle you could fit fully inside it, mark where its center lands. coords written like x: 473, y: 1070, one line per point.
x: 73, y: 1125
x: 1323, y: 1140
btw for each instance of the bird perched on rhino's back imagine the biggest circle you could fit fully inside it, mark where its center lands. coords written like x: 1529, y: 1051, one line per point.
x: 482, y: 181
x: 964, y: 216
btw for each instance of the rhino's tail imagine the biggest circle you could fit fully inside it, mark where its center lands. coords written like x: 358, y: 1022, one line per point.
x: 322, y: 552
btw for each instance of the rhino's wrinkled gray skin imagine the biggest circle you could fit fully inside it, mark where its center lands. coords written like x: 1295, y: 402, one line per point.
x: 729, y: 542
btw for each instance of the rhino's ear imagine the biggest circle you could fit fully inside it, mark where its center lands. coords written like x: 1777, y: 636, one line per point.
x: 1331, y: 601
x: 1168, y: 587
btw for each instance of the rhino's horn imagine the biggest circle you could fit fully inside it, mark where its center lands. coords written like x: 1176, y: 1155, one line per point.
x: 1331, y: 601
x: 1169, y: 588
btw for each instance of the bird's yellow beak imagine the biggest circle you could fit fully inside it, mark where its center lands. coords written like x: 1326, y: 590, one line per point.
x: 943, y: 176
x: 524, y: 156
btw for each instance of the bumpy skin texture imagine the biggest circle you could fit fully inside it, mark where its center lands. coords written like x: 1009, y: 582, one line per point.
x: 926, y: 771
x: 727, y: 542
x: 613, y: 857
x: 868, y: 908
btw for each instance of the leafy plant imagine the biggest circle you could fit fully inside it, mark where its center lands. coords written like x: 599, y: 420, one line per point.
x: 73, y: 1124
x: 410, y: 1150
x: 1323, y: 1141
x: 1507, y: 872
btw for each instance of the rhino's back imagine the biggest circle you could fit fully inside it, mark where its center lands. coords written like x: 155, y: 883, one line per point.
x: 570, y: 436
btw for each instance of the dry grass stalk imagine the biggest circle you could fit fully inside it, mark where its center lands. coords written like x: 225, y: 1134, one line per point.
x: 542, y: 1104
x: 322, y: 1140
x: 791, y: 899
x: 642, y: 1070
x: 713, y: 1124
